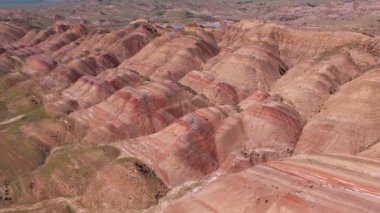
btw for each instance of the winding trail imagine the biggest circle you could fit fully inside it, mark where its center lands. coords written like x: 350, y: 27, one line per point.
x: 12, y: 120
x: 55, y: 201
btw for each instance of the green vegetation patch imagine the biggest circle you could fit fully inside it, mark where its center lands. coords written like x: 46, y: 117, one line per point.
x: 66, y: 173
x: 13, y: 94
x: 19, y: 154
x: 79, y: 160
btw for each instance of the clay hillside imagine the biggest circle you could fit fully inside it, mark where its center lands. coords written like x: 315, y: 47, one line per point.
x: 248, y: 116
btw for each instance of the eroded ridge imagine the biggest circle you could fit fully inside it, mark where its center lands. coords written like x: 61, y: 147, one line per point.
x: 247, y: 117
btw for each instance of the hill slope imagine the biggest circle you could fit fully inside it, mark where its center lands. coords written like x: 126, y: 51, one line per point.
x: 248, y: 116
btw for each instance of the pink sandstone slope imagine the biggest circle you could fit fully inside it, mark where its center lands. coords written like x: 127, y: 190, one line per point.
x: 248, y: 117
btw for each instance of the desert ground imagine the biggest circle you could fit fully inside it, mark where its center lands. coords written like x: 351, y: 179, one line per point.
x: 189, y: 106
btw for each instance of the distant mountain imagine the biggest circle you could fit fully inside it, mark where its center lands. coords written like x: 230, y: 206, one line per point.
x: 20, y: 1
x: 26, y: 2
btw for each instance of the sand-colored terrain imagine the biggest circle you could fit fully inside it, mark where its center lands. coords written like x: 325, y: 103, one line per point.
x: 249, y: 116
